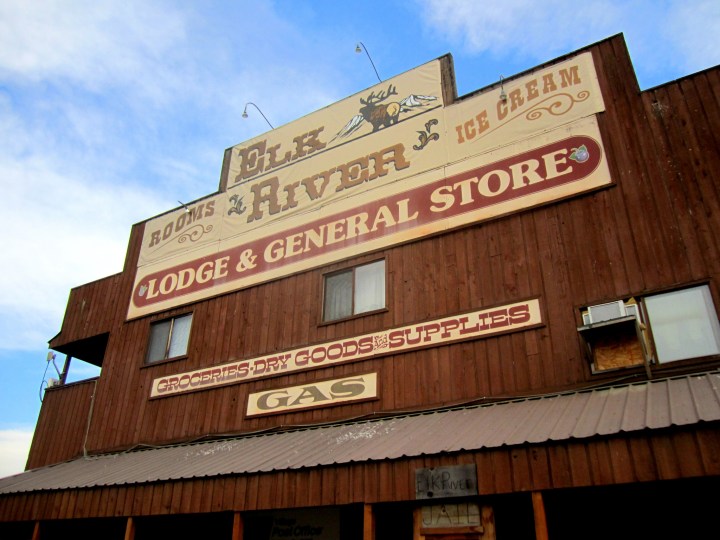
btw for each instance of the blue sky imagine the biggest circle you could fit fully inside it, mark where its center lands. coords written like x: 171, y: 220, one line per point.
x: 111, y: 112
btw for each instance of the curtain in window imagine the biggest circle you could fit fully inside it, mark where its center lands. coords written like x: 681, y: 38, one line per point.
x: 370, y: 287
x: 338, y: 296
x: 180, y: 336
x: 159, y: 333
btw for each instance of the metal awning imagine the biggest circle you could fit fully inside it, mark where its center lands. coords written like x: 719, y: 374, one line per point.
x: 678, y: 401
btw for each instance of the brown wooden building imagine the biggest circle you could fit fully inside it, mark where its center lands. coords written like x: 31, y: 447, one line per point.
x: 411, y: 315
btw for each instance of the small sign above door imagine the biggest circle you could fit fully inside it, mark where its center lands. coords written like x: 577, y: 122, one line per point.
x: 442, y: 482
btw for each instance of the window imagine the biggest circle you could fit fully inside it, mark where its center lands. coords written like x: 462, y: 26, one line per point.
x: 658, y: 328
x: 169, y: 338
x: 684, y: 324
x: 357, y: 290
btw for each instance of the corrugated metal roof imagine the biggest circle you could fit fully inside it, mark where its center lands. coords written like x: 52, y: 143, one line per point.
x: 632, y: 407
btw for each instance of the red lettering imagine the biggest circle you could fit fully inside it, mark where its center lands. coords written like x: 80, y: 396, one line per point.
x: 519, y: 314
x: 448, y: 327
x: 396, y: 338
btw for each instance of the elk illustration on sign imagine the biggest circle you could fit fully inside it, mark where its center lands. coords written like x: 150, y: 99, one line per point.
x: 379, y: 112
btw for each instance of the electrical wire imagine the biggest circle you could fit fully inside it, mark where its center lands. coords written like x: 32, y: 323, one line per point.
x: 50, y: 358
x: 40, y: 394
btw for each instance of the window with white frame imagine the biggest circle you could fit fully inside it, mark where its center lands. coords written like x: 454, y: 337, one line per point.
x: 683, y: 323
x: 169, y: 338
x: 360, y: 289
x: 658, y: 328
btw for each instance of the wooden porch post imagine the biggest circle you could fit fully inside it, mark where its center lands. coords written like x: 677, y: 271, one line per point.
x: 368, y: 523
x: 541, y: 532
x: 237, y: 533
x: 130, y: 529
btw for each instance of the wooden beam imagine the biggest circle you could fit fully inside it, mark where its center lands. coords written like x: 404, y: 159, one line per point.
x: 36, y: 531
x: 368, y: 523
x: 130, y: 529
x: 237, y: 533
x: 487, y: 518
x: 417, y: 523
x: 541, y: 532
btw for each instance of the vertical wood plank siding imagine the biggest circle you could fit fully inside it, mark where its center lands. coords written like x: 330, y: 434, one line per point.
x: 63, y: 420
x: 653, y: 229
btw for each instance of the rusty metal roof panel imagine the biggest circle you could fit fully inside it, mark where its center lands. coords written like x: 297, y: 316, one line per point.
x: 706, y: 396
x: 636, y: 409
x: 561, y: 415
x: 648, y: 405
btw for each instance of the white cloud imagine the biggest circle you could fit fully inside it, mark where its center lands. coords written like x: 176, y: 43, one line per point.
x: 693, y: 30
x: 59, y: 205
x: 521, y: 27
x: 163, y: 52
x: 113, y: 112
x: 678, y: 33
x: 14, y: 448
x: 60, y: 231
x: 88, y: 43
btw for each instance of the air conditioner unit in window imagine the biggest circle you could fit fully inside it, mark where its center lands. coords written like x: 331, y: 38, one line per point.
x: 607, y: 312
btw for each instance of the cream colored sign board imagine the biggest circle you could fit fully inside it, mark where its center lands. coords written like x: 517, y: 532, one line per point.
x: 341, y: 182
x: 307, y: 396
x: 306, y: 165
x: 448, y: 515
x: 538, y: 102
x: 474, y: 325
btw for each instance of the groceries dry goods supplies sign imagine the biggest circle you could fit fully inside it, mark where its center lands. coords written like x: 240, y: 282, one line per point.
x: 386, y: 166
x: 465, y: 326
